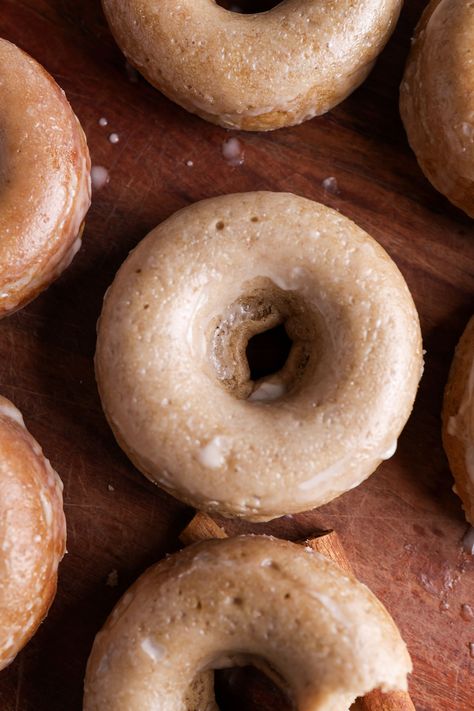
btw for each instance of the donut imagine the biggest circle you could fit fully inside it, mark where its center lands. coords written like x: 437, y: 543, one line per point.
x: 319, y: 633
x: 32, y: 533
x: 44, y: 179
x: 253, y: 72
x: 458, y: 420
x: 437, y: 99
x: 172, y: 366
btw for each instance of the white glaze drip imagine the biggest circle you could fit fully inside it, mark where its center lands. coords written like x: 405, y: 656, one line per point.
x: 390, y: 451
x: 213, y: 455
x: 334, y: 470
x: 47, y: 508
x: 9, y: 410
x: 155, y: 651
x: 267, y: 391
x: 468, y: 541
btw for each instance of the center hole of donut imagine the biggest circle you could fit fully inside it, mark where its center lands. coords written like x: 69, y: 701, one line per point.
x: 268, y: 352
x: 248, y: 7
x: 250, y: 689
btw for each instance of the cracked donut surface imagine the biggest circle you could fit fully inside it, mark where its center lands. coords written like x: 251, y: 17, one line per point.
x: 259, y: 71
x: 174, y: 376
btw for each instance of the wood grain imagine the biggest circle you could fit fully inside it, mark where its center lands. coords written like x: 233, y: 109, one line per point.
x: 403, y: 527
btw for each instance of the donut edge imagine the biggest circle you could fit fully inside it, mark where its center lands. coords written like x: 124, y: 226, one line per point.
x: 454, y: 445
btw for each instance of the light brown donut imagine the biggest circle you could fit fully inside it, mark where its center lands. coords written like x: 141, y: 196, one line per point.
x: 32, y: 533
x: 458, y: 420
x: 437, y: 99
x: 253, y: 72
x: 44, y: 179
x: 320, y: 634
x: 171, y: 359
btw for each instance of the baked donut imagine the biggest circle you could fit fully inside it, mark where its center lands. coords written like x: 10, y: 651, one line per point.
x: 172, y: 367
x: 458, y: 420
x: 254, y: 72
x: 32, y: 533
x: 44, y: 179
x: 437, y: 99
x: 319, y: 633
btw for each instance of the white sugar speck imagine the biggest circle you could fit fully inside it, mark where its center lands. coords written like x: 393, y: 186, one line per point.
x: 103, y: 121
x: 114, y: 138
x: 99, y: 177
x: 190, y: 163
x: 233, y: 151
x: 330, y: 185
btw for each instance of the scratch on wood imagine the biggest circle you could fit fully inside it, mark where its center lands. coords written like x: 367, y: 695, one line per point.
x: 19, y: 683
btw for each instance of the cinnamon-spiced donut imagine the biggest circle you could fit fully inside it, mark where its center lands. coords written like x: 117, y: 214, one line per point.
x: 172, y: 364
x: 32, y: 533
x: 255, y: 72
x: 319, y: 633
x: 437, y: 99
x: 458, y: 420
x: 44, y: 179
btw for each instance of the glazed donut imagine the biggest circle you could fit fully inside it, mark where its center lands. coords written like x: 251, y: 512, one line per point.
x: 437, y: 99
x: 458, y: 420
x: 44, y: 179
x: 254, y: 72
x: 319, y: 633
x: 174, y: 377
x: 32, y: 533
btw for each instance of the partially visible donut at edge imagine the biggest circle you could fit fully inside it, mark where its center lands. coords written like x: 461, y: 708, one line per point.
x: 32, y: 533
x: 44, y: 179
x: 258, y: 71
x: 458, y: 420
x: 437, y: 99
x: 317, y: 632
x: 172, y: 367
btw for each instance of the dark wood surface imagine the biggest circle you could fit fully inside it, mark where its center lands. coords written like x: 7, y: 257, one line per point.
x: 402, y: 528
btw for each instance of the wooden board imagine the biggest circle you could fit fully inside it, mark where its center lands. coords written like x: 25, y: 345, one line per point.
x: 402, y: 528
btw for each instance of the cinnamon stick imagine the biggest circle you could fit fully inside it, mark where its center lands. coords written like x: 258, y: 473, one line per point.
x: 328, y: 543
x: 201, y: 528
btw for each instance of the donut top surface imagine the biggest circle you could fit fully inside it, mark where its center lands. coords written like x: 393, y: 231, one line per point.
x: 44, y: 178
x: 172, y: 363
x: 32, y: 533
x: 437, y: 99
x: 253, y: 71
x: 319, y: 633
